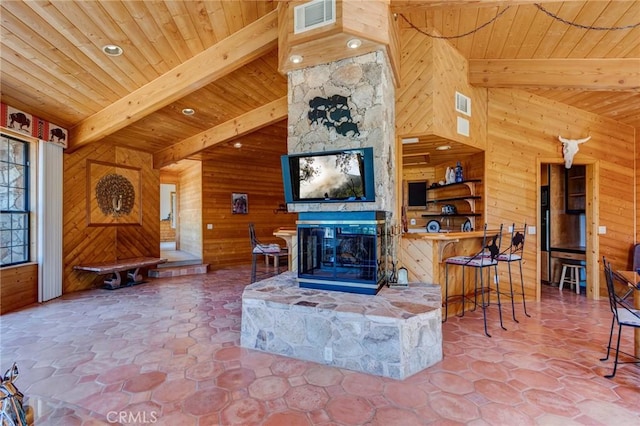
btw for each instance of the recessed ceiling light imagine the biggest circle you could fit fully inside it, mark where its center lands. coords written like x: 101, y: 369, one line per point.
x: 237, y: 145
x: 188, y: 111
x: 354, y: 43
x: 112, y: 50
x: 296, y: 59
x: 443, y: 147
x: 410, y: 140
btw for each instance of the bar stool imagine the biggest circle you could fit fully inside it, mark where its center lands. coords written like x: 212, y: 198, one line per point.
x: 574, y: 276
x: 485, y: 258
x: 514, y: 253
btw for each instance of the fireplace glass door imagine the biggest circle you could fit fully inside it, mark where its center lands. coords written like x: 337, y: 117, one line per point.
x: 348, y: 256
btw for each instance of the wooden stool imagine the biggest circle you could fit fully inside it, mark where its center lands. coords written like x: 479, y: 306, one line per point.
x: 574, y: 276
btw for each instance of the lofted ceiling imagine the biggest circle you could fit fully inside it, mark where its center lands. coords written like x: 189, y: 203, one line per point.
x: 220, y: 58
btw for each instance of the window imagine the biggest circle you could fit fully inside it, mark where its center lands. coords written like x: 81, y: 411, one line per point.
x: 14, y: 201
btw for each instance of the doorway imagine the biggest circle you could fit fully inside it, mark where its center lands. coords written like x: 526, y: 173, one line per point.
x: 567, y: 202
x: 170, y: 229
x: 168, y: 217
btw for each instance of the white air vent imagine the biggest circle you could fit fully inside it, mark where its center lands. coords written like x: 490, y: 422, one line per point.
x: 463, y: 104
x: 314, y: 14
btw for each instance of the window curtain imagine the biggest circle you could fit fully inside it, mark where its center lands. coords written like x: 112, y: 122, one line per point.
x: 49, y: 214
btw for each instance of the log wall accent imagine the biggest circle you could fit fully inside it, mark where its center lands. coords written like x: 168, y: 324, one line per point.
x: 90, y: 244
x: 190, y: 209
x: 258, y: 176
x: 19, y: 287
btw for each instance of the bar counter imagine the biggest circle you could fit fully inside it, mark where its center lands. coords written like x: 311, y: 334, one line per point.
x: 423, y: 255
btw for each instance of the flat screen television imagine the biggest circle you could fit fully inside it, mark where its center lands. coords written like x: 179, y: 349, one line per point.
x: 331, y: 176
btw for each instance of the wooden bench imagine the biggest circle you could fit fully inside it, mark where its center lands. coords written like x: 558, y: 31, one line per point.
x: 130, y: 266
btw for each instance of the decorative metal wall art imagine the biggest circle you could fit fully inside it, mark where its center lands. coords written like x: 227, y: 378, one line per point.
x: 114, y: 194
x: 333, y: 112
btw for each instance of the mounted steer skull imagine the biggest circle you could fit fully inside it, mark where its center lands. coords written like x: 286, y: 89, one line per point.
x: 570, y: 148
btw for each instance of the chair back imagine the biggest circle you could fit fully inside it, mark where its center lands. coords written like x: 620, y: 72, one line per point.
x: 258, y: 248
x: 491, y: 242
x: 252, y: 235
x: 515, y: 251
x: 636, y: 257
x: 623, y: 311
x: 608, y: 275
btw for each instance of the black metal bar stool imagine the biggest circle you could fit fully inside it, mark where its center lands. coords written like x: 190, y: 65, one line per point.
x: 486, y: 258
x: 514, y: 253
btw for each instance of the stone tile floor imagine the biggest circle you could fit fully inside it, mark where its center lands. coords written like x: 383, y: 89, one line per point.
x: 167, y: 353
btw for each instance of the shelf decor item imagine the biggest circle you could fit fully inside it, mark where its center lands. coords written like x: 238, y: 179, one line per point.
x: 459, y: 173
x: 433, y: 226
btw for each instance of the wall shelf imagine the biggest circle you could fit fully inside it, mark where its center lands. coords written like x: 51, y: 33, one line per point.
x: 462, y: 195
x: 463, y: 198
x: 451, y: 215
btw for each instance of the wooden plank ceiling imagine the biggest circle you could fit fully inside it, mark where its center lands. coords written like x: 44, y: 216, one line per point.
x: 219, y: 58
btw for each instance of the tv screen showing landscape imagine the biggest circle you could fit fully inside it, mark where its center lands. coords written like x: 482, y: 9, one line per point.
x: 331, y: 176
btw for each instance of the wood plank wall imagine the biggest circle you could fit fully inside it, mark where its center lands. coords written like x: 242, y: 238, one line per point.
x: 19, y: 287
x: 432, y: 71
x: 523, y: 128
x: 89, y: 244
x: 190, y: 209
x: 414, y: 97
x: 258, y: 176
x: 140, y: 241
x: 450, y: 71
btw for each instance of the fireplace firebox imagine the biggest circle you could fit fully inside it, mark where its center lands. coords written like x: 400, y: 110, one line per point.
x: 343, y: 251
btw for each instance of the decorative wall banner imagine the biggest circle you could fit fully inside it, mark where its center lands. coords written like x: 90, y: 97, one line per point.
x: 29, y: 124
x: 113, y: 194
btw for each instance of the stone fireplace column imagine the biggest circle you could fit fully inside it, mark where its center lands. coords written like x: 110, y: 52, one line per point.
x: 320, y: 120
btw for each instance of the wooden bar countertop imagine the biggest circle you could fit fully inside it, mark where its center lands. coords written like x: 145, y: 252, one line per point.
x: 443, y: 236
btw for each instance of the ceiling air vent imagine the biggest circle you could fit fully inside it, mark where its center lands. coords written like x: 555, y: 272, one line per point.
x: 314, y: 14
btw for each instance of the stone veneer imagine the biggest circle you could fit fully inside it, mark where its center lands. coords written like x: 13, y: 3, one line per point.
x: 394, y: 334
x: 367, y: 83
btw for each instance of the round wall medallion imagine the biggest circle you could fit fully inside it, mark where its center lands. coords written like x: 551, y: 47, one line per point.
x: 115, y: 195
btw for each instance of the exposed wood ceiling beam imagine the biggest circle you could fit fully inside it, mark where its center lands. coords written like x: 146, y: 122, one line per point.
x: 586, y: 74
x: 238, y: 49
x: 239, y: 126
x: 414, y: 5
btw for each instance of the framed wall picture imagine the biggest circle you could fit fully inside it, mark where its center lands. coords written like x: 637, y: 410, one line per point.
x: 114, y: 195
x: 239, y: 203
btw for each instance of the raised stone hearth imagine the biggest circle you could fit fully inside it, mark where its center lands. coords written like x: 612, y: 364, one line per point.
x: 394, y: 334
